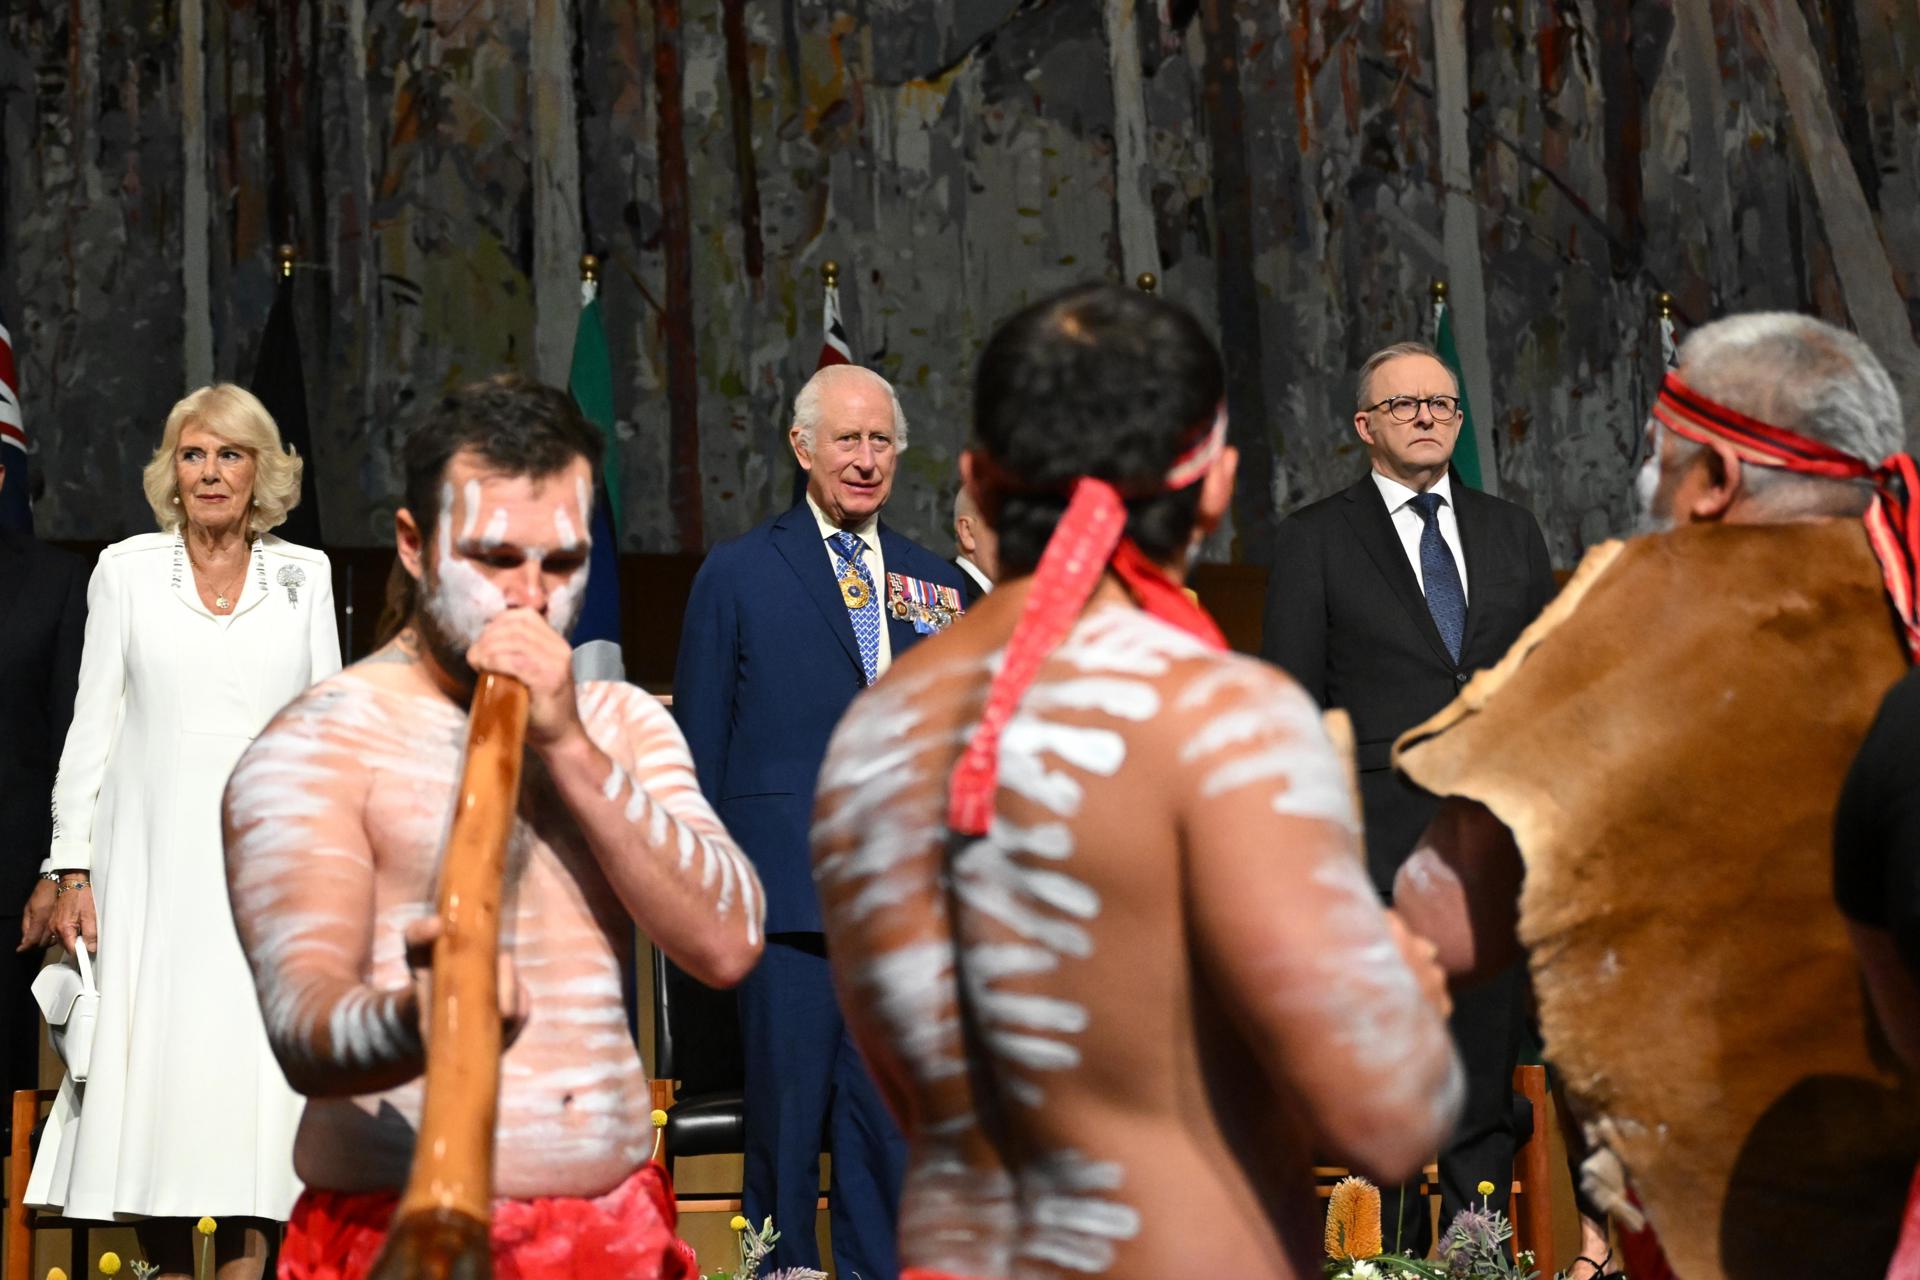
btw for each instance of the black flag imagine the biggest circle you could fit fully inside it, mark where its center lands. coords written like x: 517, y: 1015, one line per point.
x: 282, y: 388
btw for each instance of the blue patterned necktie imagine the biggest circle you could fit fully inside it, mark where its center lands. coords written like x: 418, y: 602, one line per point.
x: 848, y: 555
x: 1446, y: 598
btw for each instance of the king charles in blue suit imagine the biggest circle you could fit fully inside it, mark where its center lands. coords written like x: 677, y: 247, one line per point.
x: 786, y: 623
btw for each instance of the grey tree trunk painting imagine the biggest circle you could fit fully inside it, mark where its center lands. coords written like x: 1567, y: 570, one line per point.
x: 1296, y: 171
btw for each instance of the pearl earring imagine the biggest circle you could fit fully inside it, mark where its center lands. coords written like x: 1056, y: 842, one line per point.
x: 175, y: 499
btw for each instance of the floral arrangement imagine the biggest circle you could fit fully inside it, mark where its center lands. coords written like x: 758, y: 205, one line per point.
x: 754, y: 1248
x: 110, y: 1262
x: 1474, y: 1246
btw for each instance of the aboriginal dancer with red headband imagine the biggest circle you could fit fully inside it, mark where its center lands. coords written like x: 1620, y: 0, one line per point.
x: 1645, y: 790
x: 1093, y: 888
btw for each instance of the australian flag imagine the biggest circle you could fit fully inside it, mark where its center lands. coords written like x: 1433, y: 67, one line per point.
x: 16, y: 507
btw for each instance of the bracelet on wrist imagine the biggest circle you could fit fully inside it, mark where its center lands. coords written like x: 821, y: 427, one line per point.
x: 51, y: 875
x: 68, y: 888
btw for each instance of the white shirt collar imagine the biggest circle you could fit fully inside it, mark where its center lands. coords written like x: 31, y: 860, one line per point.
x: 868, y: 530
x: 1397, y: 495
x: 972, y: 570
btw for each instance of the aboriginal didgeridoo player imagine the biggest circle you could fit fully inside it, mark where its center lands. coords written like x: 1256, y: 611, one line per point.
x: 336, y: 820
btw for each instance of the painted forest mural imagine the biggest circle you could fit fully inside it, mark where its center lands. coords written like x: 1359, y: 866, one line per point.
x: 1296, y: 171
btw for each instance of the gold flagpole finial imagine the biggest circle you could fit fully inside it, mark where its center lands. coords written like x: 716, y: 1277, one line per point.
x: 589, y: 269
x: 830, y: 273
x: 1665, y: 303
x: 1439, y: 291
x: 284, y: 256
x: 1147, y: 282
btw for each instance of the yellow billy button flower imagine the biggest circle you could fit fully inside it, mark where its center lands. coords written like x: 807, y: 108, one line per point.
x: 207, y: 1226
x: 738, y: 1223
x: 109, y: 1263
x: 659, y: 1118
x: 1486, y: 1188
x: 1353, y: 1220
x: 56, y: 1274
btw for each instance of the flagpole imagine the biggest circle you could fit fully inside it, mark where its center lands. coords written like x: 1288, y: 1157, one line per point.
x: 1669, y: 340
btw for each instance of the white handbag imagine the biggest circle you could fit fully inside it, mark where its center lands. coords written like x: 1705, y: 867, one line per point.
x: 71, y: 1004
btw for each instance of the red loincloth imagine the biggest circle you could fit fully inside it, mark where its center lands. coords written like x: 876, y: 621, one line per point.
x: 628, y: 1232
x: 1906, y: 1256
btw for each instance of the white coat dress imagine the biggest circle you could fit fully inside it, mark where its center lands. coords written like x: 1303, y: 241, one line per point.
x: 185, y: 1112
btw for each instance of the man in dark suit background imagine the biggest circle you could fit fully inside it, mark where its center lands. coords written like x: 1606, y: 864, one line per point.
x: 43, y: 597
x: 1384, y: 599
x: 785, y: 624
x: 976, y: 549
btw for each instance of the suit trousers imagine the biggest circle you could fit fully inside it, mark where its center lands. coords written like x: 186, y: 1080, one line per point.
x: 1488, y: 1022
x: 805, y: 1081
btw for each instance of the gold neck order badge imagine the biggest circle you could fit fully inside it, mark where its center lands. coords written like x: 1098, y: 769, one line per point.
x: 854, y: 590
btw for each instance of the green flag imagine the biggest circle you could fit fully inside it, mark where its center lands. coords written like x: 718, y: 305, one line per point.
x: 591, y: 382
x: 1466, y: 452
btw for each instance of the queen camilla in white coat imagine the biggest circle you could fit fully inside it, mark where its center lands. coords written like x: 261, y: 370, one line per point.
x: 195, y: 637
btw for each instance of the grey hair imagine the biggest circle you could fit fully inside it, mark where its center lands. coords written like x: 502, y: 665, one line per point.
x: 1361, y: 397
x: 1809, y: 377
x: 808, y: 411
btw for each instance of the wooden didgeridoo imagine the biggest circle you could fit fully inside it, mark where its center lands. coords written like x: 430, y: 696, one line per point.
x: 440, y: 1226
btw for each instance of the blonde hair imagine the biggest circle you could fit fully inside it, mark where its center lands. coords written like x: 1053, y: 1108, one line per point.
x: 237, y: 417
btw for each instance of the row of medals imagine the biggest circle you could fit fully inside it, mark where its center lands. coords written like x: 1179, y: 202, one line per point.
x: 855, y: 591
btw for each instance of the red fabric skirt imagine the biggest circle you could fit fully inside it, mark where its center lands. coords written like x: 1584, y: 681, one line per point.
x: 1906, y: 1255
x: 628, y: 1232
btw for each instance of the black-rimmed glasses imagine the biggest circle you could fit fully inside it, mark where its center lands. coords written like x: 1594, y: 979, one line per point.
x: 1407, y: 408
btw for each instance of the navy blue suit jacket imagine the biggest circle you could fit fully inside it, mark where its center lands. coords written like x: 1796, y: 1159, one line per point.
x: 767, y: 666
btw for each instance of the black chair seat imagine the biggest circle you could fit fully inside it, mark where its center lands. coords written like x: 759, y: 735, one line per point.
x: 707, y: 1124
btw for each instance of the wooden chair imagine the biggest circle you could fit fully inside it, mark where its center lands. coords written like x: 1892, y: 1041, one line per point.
x: 1530, y: 1206
x: 23, y: 1222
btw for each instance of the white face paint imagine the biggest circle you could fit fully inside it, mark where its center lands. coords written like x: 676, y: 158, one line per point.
x: 462, y: 600
x: 465, y: 596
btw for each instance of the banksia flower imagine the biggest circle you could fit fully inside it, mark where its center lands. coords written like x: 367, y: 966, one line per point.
x: 1353, y: 1220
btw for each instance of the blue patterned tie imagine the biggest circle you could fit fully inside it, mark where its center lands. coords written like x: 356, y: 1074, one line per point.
x: 1446, y: 599
x: 848, y: 554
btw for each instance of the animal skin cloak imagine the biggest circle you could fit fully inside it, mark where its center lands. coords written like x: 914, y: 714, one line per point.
x: 1667, y: 744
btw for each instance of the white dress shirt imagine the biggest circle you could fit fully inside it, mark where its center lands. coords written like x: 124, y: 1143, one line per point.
x: 1408, y: 524
x: 868, y: 531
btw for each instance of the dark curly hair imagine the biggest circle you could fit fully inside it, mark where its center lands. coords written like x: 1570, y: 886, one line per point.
x: 521, y: 427
x: 1099, y: 381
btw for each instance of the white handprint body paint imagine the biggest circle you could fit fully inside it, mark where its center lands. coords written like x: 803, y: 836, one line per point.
x: 337, y: 815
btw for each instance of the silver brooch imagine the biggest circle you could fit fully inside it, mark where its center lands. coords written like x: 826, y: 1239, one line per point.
x: 292, y: 577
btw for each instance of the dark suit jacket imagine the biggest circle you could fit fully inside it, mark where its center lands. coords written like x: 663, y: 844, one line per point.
x: 1345, y: 618
x: 767, y: 665
x: 43, y: 601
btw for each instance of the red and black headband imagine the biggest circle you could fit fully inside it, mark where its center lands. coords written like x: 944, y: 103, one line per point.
x: 1892, y: 520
